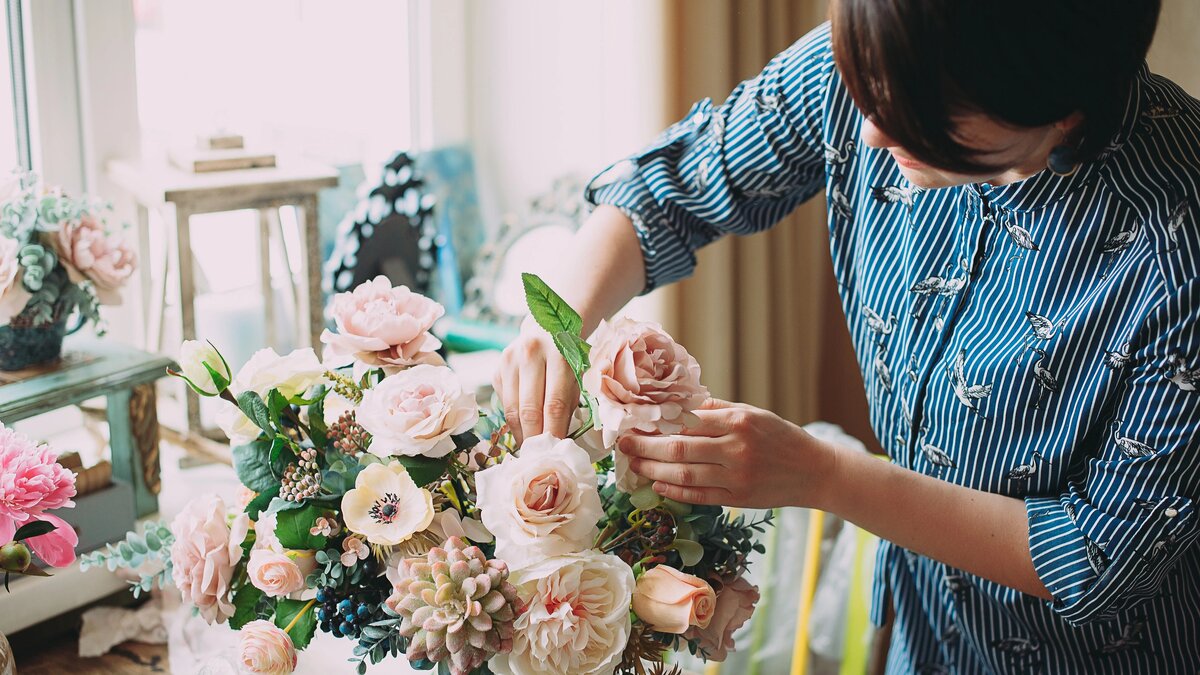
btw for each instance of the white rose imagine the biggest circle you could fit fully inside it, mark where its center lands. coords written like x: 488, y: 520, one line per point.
x: 293, y: 374
x: 416, y: 411
x: 237, y: 427
x: 540, y: 503
x: 577, y: 616
x: 194, y: 355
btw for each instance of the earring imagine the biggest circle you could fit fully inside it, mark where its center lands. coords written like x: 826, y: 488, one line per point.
x: 1063, y: 160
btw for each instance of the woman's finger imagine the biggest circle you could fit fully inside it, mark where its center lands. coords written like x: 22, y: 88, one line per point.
x: 507, y: 386
x: 693, y: 495
x: 562, y: 395
x: 532, y: 389
x: 685, y: 474
x: 673, y: 448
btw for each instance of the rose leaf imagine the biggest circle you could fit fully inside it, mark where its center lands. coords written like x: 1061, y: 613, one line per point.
x: 300, y: 611
x: 548, y: 308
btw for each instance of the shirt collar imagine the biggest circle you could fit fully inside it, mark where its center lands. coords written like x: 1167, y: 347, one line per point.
x: 1045, y: 187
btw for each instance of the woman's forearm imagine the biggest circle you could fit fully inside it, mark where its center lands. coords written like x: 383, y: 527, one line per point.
x: 603, y: 270
x: 979, y: 532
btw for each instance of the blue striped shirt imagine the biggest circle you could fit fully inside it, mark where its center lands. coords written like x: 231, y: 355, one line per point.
x: 1039, y: 340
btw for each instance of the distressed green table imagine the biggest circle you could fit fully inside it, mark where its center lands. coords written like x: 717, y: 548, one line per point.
x: 125, y: 377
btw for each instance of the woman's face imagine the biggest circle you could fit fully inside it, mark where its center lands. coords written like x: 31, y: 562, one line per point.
x: 1021, y: 152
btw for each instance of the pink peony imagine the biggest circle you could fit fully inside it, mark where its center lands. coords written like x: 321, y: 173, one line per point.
x: 206, y: 550
x: 642, y: 379
x: 91, y: 253
x: 416, y: 412
x: 382, y: 326
x: 56, y: 548
x: 279, y: 574
x: 31, y: 482
x: 267, y: 649
x: 13, y: 296
x: 735, y: 604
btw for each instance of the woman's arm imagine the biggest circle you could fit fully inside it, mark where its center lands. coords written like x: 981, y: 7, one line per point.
x: 744, y: 456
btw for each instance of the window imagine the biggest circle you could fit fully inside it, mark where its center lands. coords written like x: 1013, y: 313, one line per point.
x: 14, y: 137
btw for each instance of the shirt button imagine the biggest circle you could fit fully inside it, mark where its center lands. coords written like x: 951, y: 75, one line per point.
x: 1170, y: 512
x: 698, y: 118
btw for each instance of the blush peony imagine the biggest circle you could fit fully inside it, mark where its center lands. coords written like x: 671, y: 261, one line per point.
x: 670, y: 601
x: 13, y: 296
x: 735, y: 604
x: 266, y: 649
x: 57, y: 547
x: 541, y: 503
x: 207, y: 548
x: 576, y: 617
x: 415, y: 412
x: 91, y: 253
x: 382, y: 326
x: 642, y: 380
x: 31, y: 482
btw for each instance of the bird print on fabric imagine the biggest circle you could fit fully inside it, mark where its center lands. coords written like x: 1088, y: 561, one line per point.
x: 1042, y: 329
x: 876, y: 322
x: 1019, y: 235
x: 1174, y: 222
x: 967, y: 394
x: 1112, y: 248
x: 1129, y: 447
x: 1047, y: 381
x: 767, y: 102
x: 1022, y: 473
x: 1178, y: 372
x: 1130, y: 638
x: 936, y: 456
x: 840, y: 203
x: 834, y: 156
x: 1096, y: 557
x: 1117, y: 359
x: 1023, y: 653
x: 958, y: 585
x: 896, y: 194
x: 883, y: 373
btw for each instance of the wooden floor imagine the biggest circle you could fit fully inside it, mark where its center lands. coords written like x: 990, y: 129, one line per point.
x: 130, y: 657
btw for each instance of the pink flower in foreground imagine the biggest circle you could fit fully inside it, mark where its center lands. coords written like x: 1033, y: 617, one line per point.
x: 382, y: 326
x: 207, y: 548
x: 642, y: 379
x: 91, y: 253
x: 266, y: 649
x: 31, y: 482
x: 56, y: 548
x: 279, y: 574
x: 735, y: 604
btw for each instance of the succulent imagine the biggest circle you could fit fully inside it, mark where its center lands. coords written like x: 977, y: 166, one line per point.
x: 456, y: 606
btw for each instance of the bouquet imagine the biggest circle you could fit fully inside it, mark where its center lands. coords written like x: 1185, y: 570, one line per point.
x: 33, y: 483
x: 384, y: 507
x: 57, y: 255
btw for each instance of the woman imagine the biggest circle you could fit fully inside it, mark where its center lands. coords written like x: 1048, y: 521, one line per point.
x: 1013, y: 222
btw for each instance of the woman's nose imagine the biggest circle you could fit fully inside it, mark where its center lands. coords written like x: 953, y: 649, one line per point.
x: 873, y: 136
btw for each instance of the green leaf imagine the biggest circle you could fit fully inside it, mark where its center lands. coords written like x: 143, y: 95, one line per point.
x: 34, y: 529
x: 275, y: 405
x: 253, y: 407
x: 220, y: 382
x: 425, y: 470
x: 246, y: 601
x: 574, y: 350
x: 304, y: 627
x: 550, y: 311
x: 252, y: 463
x: 261, y: 501
x: 293, y: 528
x: 317, y: 430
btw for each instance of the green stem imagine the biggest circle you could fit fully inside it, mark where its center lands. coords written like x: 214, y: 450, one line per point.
x: 578, y: 433
x: 299, y: 614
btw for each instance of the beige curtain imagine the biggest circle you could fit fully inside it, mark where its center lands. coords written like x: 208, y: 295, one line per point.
x: 761, y: 314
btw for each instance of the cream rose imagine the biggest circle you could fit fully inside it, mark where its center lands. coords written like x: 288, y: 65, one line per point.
x: 576, y: 618
x: 293, y: 374
x: 206, y: 550
x: 540, y: 503
x: 735, y: 604
x: 642, y: 379
x: 670, y: 601
x: 91, y: 253
x: 416, y: 411
x: 279, y: 574
x: 199, y: 362
x: 266, y: 649
x: 382, y: 326
x: 386, y: 506
x: 13, y: 296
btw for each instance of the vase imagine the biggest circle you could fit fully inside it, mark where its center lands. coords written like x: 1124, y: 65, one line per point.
x: 7, y: 662
x: 26, y: 345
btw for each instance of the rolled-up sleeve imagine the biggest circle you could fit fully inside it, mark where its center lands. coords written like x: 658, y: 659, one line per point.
x: 1111, y: 539
x: 735, y: 168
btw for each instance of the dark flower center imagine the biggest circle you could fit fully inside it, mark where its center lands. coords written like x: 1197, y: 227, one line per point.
x: 384, y: 510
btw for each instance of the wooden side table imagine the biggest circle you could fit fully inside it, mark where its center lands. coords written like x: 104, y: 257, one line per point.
x: 293, y: 182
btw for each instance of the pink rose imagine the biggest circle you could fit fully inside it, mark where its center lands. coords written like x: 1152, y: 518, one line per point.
x: 382, y: 326
x: 279, y: 574
x: 415, y: 412
x: 266, y: 649
x: 670, y: 601
x: 31, y: 482
x: 89, y: 252
x: 206, y: 550
x: 642, y: 379
x: 57, y: 547
x: 13, y: 296
x: 735, y: 604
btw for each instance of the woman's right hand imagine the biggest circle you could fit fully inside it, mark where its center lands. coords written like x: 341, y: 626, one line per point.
x: 536, y: 385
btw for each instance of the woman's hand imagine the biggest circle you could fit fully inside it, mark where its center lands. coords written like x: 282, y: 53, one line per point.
x: 738, y: 455
x: 536, y: 385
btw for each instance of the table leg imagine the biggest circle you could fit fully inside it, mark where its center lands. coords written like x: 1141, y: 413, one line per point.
x: 133, y: 439
x: 264, y: 262
x: 310, y: 272
x: 187, y: 300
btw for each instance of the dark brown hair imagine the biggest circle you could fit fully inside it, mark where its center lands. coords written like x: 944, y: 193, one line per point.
x: 911, y: 65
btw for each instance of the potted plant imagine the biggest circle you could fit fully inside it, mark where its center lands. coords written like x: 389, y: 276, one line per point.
x: 58, y: 256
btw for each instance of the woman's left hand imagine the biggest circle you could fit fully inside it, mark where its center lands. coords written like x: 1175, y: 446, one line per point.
x: 738, y: 455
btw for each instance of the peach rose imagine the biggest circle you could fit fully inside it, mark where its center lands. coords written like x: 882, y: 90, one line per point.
x: 89, y: 252
x: 266, y: 649
x: 13, y: 296
x: 735, y: 604
x: 642, y: 379
x: 415, y: 412
x: 382, y: 326
x: 279, y: 574
x: 670, y: 601
x: 207, y: 548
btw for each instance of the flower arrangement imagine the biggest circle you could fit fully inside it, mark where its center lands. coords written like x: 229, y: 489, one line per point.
x: 33, y: 483
x: 58, y: 255
x: 384, y: 507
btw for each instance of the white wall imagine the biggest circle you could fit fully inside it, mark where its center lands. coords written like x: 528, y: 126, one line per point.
x: 1176, y: 50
